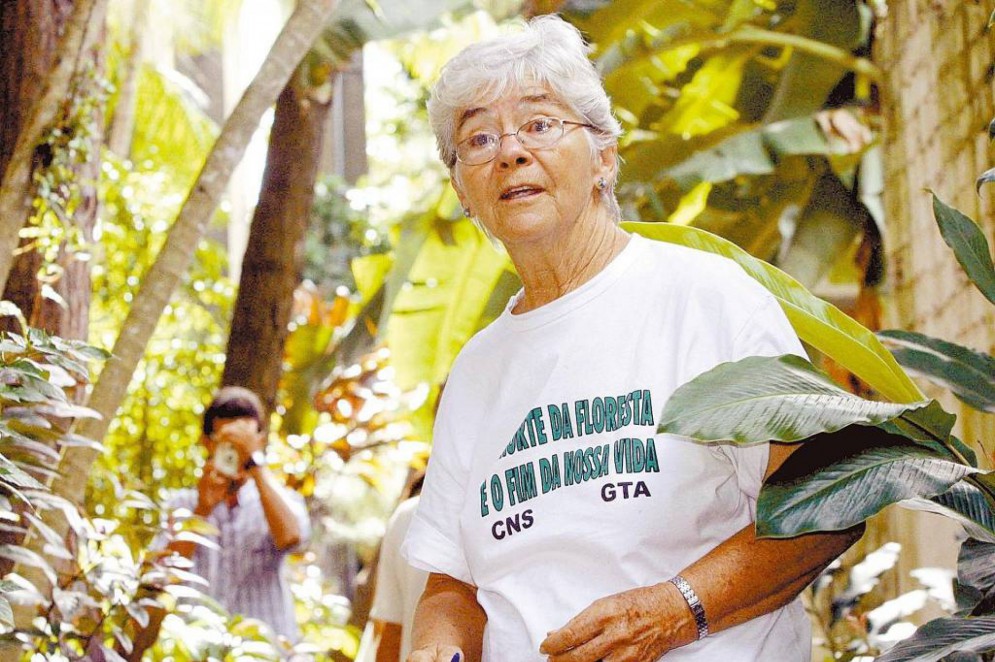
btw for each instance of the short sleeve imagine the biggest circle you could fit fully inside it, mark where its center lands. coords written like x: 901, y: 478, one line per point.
x: 298, y: 507
x: 433, y: 542
x: 766, y: 333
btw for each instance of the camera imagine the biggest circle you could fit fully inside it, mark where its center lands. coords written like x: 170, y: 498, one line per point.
x: 226, y: 460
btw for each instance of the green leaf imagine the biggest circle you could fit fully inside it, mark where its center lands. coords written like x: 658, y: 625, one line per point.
x: 968, y: 374
x: 837, y: 480
x: 761, y: 398
x: 818, y: 323
x: 943, y: 636
x: 969, y: 245
x: 964, y: 503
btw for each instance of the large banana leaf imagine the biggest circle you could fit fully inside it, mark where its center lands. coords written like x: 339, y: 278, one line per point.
x: 173, y: 130
x: 943, y: 636
x: 969, y: 375
x: 762, y: 399
x: 357, y: 22
x: 840, y: 479
x: 818, y: 323
x: 442, y: 300
x: 969, y: 245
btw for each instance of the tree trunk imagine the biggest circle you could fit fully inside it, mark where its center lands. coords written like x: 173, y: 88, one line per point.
x: 26, y: 57
x: 272, y: 264
x: 80, y: 32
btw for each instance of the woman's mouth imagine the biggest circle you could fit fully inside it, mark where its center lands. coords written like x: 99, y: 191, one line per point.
x: 518, y: 192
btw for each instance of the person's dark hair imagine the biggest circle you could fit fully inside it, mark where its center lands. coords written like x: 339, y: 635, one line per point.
x: 233, y: 402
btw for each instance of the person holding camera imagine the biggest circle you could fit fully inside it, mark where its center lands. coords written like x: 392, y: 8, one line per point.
x: 258, y: 521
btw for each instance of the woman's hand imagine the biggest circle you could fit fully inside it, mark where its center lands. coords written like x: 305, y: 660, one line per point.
x: 437, y: 654
x: 635, y: 626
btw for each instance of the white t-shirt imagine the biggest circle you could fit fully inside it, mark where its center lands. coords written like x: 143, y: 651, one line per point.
x: 399, y: 586
x: 549, y: 486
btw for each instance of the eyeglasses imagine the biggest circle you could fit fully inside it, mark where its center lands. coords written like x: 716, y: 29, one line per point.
x: 540, y: 133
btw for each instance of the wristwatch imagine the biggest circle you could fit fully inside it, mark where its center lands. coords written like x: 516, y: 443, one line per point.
x: 257, y: 459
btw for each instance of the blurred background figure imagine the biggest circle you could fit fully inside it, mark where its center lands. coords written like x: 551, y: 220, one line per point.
x: 398, y: 586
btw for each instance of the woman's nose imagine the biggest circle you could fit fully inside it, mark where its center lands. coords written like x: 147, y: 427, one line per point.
x: 511, y: 150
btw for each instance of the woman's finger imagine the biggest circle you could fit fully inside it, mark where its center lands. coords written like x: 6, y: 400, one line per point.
x: 582, y: 628
x: 593, y: 650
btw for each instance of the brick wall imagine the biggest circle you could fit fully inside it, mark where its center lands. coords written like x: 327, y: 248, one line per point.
x: 937, y: 100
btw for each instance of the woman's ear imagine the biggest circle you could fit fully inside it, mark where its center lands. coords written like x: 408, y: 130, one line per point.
x: 454, y: 180
x: 608, y: 163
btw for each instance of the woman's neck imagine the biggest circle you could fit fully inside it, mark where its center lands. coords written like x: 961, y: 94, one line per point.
x: 552, y: 268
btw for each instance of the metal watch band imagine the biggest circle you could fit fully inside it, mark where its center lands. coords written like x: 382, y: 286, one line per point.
x: 693, y: 602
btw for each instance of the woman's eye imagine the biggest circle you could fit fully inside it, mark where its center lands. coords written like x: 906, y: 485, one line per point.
x: 480, y: 140
x: 541, y: 125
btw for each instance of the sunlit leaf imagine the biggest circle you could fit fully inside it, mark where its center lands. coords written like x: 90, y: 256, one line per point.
x: 760, y: 399
x: 23, y: 555
x: 816, y: 322
x: 441, y: 302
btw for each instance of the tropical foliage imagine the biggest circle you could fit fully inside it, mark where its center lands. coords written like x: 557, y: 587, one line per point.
x: 859, y: 456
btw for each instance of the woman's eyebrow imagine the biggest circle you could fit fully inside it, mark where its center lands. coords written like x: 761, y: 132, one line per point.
x: 540, y: 98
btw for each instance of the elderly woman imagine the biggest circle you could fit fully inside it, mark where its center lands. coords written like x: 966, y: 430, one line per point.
x: 555, y: 521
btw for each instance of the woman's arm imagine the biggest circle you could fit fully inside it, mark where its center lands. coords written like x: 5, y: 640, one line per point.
x: 742, y: 578
x: 448, y: 620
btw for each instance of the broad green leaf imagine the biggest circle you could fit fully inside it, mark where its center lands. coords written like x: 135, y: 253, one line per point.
x: 943, y: 636
x: 818, y: 323
x: 837, y: 480
x: 964, y: 503
x: 761, y: 398
x: 968, y: 374
x: 969, y: 245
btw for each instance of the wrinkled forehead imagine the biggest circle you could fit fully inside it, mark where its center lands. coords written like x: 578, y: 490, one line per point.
x: 516, y: 96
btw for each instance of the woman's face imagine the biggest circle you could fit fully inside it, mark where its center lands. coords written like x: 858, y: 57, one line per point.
x: 524, y: 195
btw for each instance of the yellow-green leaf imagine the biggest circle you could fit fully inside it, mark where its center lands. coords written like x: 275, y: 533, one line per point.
x: 818, y: 323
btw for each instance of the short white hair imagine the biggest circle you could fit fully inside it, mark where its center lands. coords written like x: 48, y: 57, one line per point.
x: 548, y: 51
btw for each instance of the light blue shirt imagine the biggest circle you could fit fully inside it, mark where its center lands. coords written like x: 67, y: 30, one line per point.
x: 246, y: 573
